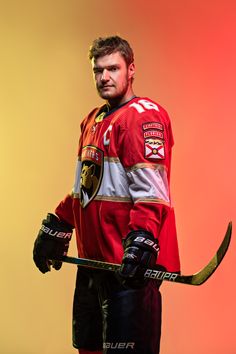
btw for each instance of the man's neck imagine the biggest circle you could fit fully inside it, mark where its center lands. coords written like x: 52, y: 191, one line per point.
x: 114, y: 103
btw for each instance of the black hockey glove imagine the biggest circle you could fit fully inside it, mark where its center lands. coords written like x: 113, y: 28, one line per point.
x: 140, y: 252
x: 51, y: 243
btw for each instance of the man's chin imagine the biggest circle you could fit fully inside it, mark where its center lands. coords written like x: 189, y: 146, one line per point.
x: 105, y: 95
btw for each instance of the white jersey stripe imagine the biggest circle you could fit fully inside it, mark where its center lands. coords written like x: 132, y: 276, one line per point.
x: 146, y: 183
x: 115, y: 182
x: 142, y: 182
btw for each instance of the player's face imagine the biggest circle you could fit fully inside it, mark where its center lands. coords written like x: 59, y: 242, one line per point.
x: 113, y: 78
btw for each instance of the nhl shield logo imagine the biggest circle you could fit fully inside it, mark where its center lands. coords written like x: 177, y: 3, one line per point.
x: 91, y: 173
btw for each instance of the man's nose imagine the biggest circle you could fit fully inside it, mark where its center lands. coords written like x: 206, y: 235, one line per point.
x: 105, y: 75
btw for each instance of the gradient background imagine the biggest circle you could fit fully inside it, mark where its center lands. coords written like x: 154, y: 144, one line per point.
x: 185, y: 54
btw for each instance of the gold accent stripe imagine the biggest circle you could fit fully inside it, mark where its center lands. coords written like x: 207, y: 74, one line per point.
x: 107, y: 159
x: 152, y: 200
x: 153, y: 166
x: 107, y: 198
x: 126, y: 199
x: 112, y: 159
x: 113, y: 198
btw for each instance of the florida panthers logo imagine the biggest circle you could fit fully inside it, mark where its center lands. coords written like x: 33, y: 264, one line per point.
x: 91, y: 174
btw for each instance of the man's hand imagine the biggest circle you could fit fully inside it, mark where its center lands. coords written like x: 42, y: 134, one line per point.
x: 140, y: 252
x: 51, y: 243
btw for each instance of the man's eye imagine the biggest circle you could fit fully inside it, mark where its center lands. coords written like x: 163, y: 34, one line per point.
x: 114, y: 68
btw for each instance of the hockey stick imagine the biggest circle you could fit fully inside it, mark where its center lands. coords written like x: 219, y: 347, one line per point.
x: 195, y: 279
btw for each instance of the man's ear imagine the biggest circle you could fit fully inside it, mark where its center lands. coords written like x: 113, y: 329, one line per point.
x: 131, y: 71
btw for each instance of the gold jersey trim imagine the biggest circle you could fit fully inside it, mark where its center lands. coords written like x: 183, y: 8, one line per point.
x: 125, y: 199
x: 112, y: 159
x: 113, y: 198
x: 106, y: 198
x: 142, y: 165
x: 152, y: 200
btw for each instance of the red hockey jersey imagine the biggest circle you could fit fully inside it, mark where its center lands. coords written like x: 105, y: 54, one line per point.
x: 122, y: 182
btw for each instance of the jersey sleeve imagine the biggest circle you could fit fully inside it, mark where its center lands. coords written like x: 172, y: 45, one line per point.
x: 146, y: 142
x: 64, y: 210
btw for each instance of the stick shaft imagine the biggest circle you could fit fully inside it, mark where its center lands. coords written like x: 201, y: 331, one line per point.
x: 194, y: 279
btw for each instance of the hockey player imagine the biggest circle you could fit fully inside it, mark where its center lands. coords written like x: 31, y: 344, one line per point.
x: 120, y: 209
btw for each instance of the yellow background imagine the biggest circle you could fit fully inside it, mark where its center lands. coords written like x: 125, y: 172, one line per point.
x: 185, y: 55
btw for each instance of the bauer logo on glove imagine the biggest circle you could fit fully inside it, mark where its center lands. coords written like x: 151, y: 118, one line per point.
x: 52, y: 243
x: 55, y: 233
x: 140, y: 252
x: 149, y: 242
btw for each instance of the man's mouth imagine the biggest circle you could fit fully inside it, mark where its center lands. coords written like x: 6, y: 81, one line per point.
x: 105, y: 86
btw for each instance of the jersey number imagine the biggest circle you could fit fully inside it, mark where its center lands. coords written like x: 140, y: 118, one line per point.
x: 143, y: 105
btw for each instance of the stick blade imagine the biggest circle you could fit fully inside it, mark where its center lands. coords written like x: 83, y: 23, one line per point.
x: 205, y: 273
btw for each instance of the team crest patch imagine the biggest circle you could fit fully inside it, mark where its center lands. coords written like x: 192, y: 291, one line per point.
x: 91, y: 173
x: 154, y: 149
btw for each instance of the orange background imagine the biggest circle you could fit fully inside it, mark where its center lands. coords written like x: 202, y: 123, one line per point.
x: 185, y: 54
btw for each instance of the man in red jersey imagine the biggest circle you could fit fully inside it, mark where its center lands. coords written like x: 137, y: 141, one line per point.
x: 121, y: 211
